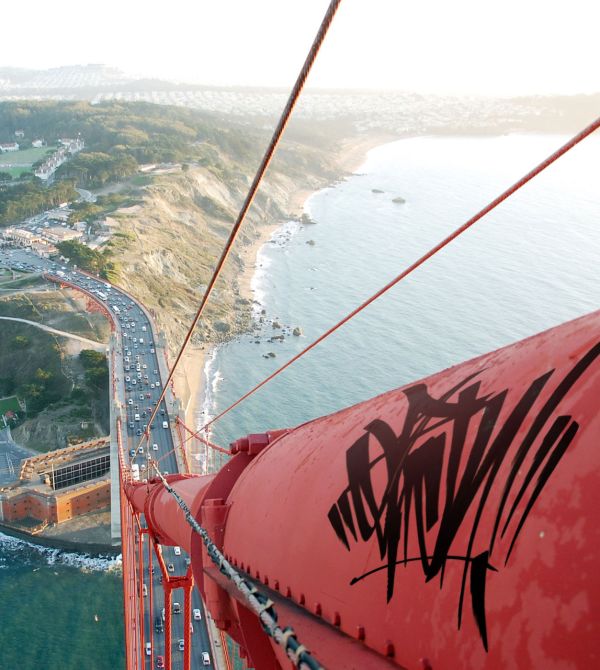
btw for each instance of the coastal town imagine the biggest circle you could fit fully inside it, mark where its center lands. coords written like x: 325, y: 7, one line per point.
x: 41, y: 233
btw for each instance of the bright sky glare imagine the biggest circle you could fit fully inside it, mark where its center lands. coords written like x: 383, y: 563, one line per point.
x: 430, y: 46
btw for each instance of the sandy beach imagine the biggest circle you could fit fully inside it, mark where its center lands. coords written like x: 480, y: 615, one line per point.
x: 189, y: 380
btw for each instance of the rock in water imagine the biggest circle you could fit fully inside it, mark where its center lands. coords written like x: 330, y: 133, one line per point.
x: 305, y: 218
x: 276, y: 324
x: 399, y: 200
x: 377, y: 190
x: 297, y: 331
x: 311, y: 242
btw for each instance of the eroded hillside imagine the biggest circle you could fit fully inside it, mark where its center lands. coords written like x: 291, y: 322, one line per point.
x: 166, y: 247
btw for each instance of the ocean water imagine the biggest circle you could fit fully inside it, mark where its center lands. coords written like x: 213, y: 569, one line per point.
x: 59, y: 609
x: 531, y: 264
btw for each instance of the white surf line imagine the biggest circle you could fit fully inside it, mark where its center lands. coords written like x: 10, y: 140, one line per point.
x: 93, y: 343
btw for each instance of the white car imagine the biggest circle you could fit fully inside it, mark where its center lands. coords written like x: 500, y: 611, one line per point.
x: 155, y: 447
x: 197, y: 615
x: 130, y: 401
x: 177, y: 551
x: 181, y: 645
x: 205, y: 658
x: 128, y: 379
x: 148, y: 649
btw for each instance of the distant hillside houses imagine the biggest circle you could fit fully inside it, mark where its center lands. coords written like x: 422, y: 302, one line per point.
x: 72, y: 146
x: 9, y: 146
x: 62, y: 154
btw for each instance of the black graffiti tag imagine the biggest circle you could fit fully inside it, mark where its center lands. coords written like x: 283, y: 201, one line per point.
x: 423, y: 461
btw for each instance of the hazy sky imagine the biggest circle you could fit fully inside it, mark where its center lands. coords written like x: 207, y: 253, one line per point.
x: 446, y: 46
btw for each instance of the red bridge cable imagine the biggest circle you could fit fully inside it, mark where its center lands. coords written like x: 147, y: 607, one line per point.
x: 445, y: 242
x: 275, y: 139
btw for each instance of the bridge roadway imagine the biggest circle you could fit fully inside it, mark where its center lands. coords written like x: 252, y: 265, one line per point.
x: 139, y: 391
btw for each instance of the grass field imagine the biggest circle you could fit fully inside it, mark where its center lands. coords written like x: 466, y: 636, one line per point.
x: 15, y: 172
x: 10, y: 403
x: 26, y: 157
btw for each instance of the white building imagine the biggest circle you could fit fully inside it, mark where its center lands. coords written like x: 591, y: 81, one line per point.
x: 10, y: 146
x: 24, y: 238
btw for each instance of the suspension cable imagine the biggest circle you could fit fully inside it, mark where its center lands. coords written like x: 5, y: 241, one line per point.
x: 259, y: 603
x: 588, y: 130
x: 275, y: 139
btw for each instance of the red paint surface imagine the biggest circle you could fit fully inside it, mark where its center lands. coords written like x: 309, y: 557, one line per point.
x: 542, y: 607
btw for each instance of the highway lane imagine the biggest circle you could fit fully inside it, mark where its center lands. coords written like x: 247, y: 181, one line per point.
x: 141, y: 386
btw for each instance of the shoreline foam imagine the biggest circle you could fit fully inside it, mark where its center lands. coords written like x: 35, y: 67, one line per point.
x: 351, y: 155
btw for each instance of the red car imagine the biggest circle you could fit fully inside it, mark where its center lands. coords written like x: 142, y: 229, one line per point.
x: 160, y: 661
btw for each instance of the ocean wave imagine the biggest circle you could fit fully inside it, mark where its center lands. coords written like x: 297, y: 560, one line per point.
x: 28, y: 553
x: 212, y: 379
x: 281, y: 237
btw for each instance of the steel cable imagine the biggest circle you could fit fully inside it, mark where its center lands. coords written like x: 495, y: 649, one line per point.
x: 260, y: 604
x: 438, y: 247
x: 275, y: 139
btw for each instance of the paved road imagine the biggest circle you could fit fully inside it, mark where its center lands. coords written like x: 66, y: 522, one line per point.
x: 141, y: 385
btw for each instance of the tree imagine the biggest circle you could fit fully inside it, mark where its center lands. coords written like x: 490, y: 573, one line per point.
x: 81, y: 255
x: 91, y: 359
x: 43, y: 375
x: 20, y: 342
x: 96, y: 377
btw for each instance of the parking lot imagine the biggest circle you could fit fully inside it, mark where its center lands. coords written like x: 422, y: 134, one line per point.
x: 11, y: 456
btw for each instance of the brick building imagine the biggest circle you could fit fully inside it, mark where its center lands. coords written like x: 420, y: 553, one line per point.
x: 60, y: 485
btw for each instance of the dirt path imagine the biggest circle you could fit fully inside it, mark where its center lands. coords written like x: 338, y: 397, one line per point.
x: 99, y: 346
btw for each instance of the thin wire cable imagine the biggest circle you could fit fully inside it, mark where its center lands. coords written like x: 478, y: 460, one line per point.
x: 185, y: 440
x: 260, y: 604
x: 275, y: 139
x: 588, y: 130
